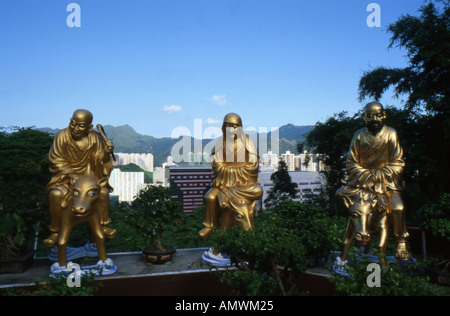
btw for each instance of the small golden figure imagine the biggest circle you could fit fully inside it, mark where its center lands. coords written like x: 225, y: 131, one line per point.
x: 76, y: 149
x: 374, y: 168
x: 235, y: 190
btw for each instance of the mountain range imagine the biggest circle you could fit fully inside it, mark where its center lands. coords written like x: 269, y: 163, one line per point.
x: 127, y: 140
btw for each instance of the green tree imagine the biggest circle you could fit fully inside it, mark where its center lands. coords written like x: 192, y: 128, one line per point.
x: 424, y: 81
x: 153, y: 211
x: 24, y: 173
x: 331, y: 141
x: 283, y: 187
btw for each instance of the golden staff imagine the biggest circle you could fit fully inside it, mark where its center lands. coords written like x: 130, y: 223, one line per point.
x: 105, y: 139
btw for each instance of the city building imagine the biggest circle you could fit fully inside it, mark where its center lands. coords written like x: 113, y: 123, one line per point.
x: 169, y: 162
x: 126, y: 185
x: 161, y: 176
x: 308, y: 183
x: 190, y: 184
x: 270, y: 160
x: 144, y: 161
x: 289, y: 159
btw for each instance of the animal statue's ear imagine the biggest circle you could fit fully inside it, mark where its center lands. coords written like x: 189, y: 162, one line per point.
x: 232, y: 204
x: 374, y: 201
x: 102, y: 182
x: 254, y: 204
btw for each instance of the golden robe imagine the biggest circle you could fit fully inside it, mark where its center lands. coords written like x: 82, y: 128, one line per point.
x: 235, y: 165
x: 67, y: 160
x: 375, y: 164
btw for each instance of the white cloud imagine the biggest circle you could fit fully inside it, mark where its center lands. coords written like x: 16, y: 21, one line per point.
x: 211, y: 121
x: 220, y: 100
x: 172, y: 108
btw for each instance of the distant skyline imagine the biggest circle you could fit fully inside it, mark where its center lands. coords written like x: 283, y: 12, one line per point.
x: 161, y: 64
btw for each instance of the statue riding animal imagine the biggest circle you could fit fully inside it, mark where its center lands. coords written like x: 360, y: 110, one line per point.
x: 83, y: 209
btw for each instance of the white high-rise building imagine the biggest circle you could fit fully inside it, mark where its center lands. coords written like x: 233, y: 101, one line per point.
x: 126, y: 185
x: 289, y: 159
x: 271, y: 160
x: 311, y: 165
x: 161, y: 176
x: 144, y: 161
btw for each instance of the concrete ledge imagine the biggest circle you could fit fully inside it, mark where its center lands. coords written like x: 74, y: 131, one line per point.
x: 184, y: 275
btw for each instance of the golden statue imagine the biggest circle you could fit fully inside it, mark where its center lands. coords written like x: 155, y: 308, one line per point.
x: 235, y: 190
x: 374, y: 169
x: 76, y: 150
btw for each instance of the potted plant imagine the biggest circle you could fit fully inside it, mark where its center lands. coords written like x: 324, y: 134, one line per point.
x: 311, y: 223
x: 152, y: 212
x: 23, y: 175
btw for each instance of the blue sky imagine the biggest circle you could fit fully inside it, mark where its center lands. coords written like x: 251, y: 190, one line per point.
x: 160, y: 64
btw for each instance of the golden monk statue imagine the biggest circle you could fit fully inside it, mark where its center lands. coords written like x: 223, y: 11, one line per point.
x: 74, y: 148
x: 236, y: 188
x: 374, y: 169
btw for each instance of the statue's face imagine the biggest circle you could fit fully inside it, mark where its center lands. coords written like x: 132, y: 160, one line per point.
x: 80, y: 126
x: 374, y: 117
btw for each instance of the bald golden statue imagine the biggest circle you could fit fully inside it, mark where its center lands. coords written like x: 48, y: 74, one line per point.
x: 374, y: 168
x: 235, y: 189
x: 73, y: 149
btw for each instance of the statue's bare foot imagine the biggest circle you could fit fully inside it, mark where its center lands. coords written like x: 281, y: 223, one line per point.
x: 402, y: 253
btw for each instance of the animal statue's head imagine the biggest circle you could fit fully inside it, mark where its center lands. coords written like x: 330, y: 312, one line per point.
x: 86, y: 192
x: 243, y: 214
x: 363, y: 213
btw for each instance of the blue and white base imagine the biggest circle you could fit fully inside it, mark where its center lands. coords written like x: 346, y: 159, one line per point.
x: 101, y: 268
x: 340, y: 267
x: 218, y: 260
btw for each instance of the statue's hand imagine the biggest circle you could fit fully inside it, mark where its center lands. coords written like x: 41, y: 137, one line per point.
x: 109, y: 147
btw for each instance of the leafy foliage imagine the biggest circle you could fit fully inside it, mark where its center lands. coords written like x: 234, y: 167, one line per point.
x: 269, y: 258
x: 283, y: 187
x: 437, y: 217
x: 51, y: 286
x: 394, y: 281
x: 331, y: 141
x: 424, y: 81
x: 154, y: 211
x: 24, y: 173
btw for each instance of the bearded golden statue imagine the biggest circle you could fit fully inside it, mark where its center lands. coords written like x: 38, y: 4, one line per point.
x: 374, y: 168
x: 235, y: 190
x: 74, y: 149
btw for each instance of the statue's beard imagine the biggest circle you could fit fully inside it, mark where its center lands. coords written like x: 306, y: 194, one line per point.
x: 375, y: 128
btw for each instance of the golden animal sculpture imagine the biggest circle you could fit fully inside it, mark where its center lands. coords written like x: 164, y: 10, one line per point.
x: 235, y: 189
x: 240, y: 214
x: 368, y: 216
x: 375, y: 165
x: 83, y: 209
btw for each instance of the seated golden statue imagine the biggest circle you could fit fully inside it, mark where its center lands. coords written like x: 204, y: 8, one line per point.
x: 73, y: 149
x: 375, y: 165
x: 236, y: 188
